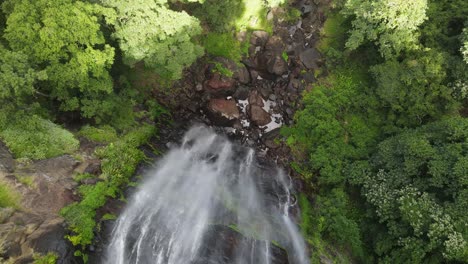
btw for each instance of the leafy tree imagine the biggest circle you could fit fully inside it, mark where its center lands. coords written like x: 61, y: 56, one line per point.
x: 444, y: 25
x: 413, y: 90
x: 417, y: 182
x: 338, y: 122
x: 391, y: 24
x: 17, y: 77
x: 148, y: 31
x: 64, y: 39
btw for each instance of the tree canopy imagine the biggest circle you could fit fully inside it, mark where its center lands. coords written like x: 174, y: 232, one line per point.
x: 64, y: 39
x: 391, y: 25
x: 417, y: 181
x: 148, y: 31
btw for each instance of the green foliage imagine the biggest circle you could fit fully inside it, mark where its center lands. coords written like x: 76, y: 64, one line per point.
x: 63, y: 38
x: 444, y: 25
x: 103, y: 134
x: 108, y: 217
x: 8, y: 197
x: 417, y: 183
x: 392, y: 25
x: 336, y: 123
x: 147, y: 30
x: 220, y: 15
x: 292, y: 15
x: 33, y: 137
x: 223, y: 45
x: 17, y: 77
x: 413, y: 90
x: 50, y: 258
x: 82, y: 176
x: 219, y: 68
x: 235, y: 15
x: 119, y: 162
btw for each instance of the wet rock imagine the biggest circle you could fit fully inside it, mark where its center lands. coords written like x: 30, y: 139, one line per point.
x: 222, y: 244
x: 220, y: 84
x: 309, y: 58
x: 258, y: 115
x: 223, y: 111
x: 259, y: 38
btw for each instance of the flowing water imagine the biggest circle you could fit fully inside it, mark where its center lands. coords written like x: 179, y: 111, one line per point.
x: 209, y: 201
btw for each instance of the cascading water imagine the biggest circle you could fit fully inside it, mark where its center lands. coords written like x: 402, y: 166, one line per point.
x: 208, y: 202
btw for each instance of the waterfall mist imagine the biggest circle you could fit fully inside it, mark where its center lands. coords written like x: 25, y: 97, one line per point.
x: 208, y: 201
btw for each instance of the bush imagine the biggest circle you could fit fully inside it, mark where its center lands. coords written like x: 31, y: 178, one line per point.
x: 103, y: 134
x: 223, y: 45
x: 8, y: 198
x: 36, y: 138
x: 50, y: 258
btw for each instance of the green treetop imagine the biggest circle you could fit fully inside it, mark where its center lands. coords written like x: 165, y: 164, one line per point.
x: 148, y: 31
x: 392, y: 25
x: 63, y: 38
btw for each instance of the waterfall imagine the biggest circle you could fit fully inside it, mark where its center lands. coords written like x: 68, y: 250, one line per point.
x: 209, y: 201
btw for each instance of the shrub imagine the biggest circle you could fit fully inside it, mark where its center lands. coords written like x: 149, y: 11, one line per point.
x: 8, y: 198
x: 103, y: 134
x: 36, y: 138
x: 223, y: 45
x: 50, y: 258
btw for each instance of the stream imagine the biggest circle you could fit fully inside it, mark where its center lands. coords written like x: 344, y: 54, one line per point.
x: 209, y: 201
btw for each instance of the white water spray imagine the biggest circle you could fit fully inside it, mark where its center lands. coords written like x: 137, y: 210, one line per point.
x: 208, y: 202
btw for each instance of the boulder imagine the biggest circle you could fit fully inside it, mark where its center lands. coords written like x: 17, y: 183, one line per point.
x: 277, y: 65
x: 258, y: 115
x: 259, y: 38
x: 309, y: 58
x: 223, y: 111
x: 220, y: 84
x: 255, y: 98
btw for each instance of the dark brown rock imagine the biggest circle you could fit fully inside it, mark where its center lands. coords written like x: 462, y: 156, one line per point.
x: 220, y: 84
x: 258, y: 115
x: 223, y: 111
x: 255, y: 98
x: 277, y: 65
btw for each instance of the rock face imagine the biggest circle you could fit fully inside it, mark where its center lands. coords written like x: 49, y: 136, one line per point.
x: 36, y: 227
x: 223, y: 111
x: 221, y: 245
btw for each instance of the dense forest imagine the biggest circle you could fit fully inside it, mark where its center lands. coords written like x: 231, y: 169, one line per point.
x: 380, y: 138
